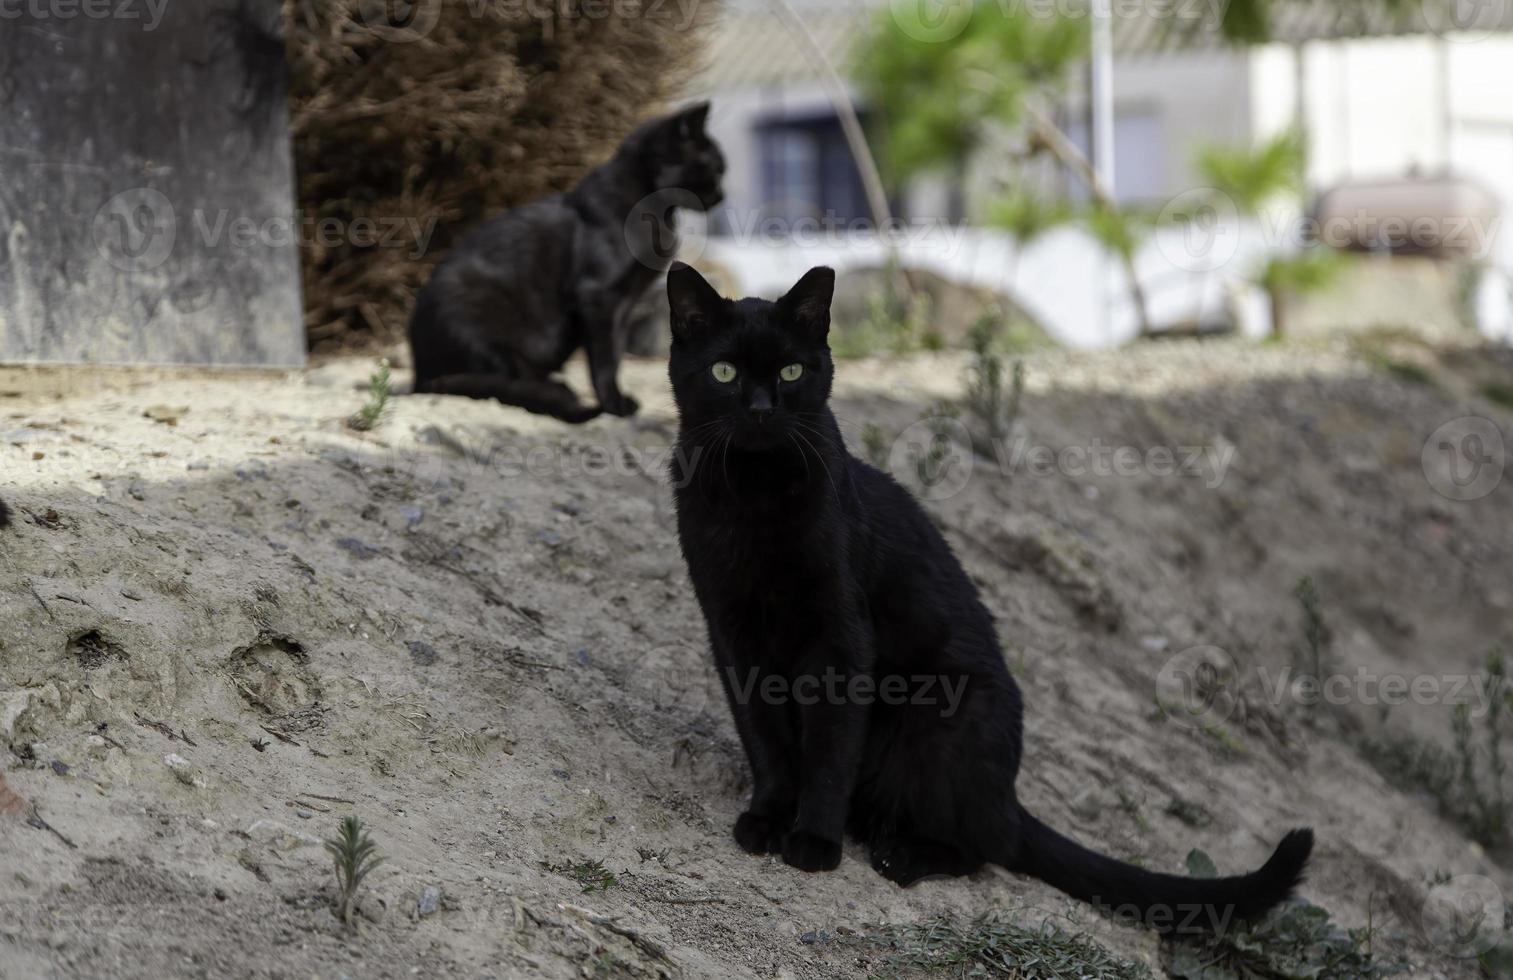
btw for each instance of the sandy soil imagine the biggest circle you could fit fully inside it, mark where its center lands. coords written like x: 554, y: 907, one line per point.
x: 473, y: 629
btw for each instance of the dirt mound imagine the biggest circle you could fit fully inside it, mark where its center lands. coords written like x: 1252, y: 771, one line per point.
x: 472, y: 628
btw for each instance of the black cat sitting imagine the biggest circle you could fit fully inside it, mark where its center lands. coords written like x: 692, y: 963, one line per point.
x: 509, y: 305
x: 824, y: 587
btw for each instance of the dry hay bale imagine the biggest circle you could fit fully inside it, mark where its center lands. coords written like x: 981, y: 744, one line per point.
x: 474, y: 107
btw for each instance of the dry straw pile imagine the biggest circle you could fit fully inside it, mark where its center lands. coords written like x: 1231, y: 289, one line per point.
x: 447, y: 114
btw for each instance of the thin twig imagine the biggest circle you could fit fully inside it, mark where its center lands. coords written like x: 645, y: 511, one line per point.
x: 35, y: 820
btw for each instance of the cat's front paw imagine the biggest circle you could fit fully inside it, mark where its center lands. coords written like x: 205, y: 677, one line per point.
x: 807, y: 852
x: 624, y: 406
x: 757, y: 834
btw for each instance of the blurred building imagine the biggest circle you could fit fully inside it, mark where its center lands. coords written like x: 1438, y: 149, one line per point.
x: 1388, y: 102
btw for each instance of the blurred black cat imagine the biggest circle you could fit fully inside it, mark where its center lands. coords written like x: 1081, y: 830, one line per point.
x: 509, y: 305
x: 863, y: 670
x: 5, y: 514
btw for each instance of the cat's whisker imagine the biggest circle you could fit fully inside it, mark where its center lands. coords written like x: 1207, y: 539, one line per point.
x: 724, y: 456
x: 819, y: 457
x: 802, y: 455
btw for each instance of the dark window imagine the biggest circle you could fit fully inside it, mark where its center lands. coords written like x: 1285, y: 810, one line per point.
x: 808, y: 172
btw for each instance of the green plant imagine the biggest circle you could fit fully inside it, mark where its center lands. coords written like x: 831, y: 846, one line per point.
x: 353, y: 857
x: 1498, y: 392
x: 1027, y: 216
x: 931, y: 465
x: 592, y: 875
x: 993, y: 403
x: 1293, y: 941
x: 1469, y: 780
x: 947, y: 97
x: 1316, y: 635
x: 1251, y: 178
x: 378, y: 399
x: 1122, y: 230
x: 895, y: 322
x: 992, y: 947
x: 1287, y: 276
x: 875, y: 445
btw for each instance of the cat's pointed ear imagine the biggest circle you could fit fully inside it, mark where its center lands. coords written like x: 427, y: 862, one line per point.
x: 691, y: 120
x: 807, y: 304
x: 693, y: 301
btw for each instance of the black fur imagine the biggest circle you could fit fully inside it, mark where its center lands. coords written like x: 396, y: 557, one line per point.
x: 808, y: 562
x: 5, y: 514
x: 508, y: 306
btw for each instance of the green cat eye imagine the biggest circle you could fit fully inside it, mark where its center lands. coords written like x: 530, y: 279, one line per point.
x: 792, y: 372
x: 724, y: 371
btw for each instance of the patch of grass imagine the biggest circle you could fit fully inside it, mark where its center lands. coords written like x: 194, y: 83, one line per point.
x: 353, y: 858
x: 990, y: 946
x: 1380, y: 349
x: 1498, y: 392
x: 592, y: 875
x: 1190, y: 813
x: 1467, y: 781
x: 1131, y: 806
x: 1414, y: 374
x: 1226, y: 741
x: 1296, y: 940
x: 378, y: 399
x: 895, y: 323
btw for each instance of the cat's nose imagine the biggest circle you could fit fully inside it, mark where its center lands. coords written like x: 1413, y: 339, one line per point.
x: 761, y: 405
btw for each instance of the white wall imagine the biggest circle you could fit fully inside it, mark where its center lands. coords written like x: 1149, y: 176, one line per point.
x: 1066, y: 280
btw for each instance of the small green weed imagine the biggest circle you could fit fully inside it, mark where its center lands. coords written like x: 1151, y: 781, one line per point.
x: 1468, y: 781
x: 378, y: 399
x: 875, y: 445
x: 592, y: 875
x: 353, y: 857
x: 992, y: 400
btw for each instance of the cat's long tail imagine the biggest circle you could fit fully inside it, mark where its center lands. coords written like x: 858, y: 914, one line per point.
x: 1164, y: 902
